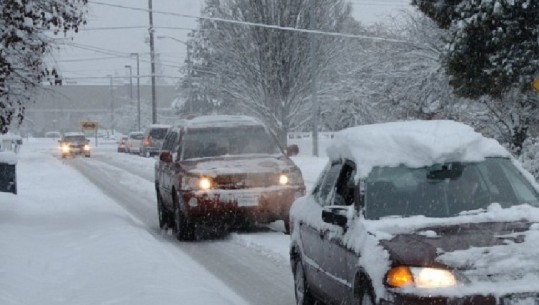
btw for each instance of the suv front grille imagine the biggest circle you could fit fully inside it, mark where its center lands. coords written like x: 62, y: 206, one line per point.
x: 243, y: 181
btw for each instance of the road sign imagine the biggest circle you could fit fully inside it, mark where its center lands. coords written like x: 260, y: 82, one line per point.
x: 88, y: 125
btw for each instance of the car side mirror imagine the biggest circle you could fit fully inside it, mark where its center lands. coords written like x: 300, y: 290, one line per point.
x: 292, y: 150
x: 336, y: 215
x: 165, y: 156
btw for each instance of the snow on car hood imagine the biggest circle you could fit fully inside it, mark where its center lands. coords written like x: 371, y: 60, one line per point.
x: 493, y: 252
x: 412, y: 143
x: 232, y: 165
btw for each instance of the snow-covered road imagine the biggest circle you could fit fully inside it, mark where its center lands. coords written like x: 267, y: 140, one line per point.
x: 248, y: 267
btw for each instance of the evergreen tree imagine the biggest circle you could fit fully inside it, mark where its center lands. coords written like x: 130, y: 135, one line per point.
x: 493, y: 45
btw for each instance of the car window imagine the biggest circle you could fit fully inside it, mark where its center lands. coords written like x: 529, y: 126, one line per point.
x: 325, y: 192
x: 211, y: 142
x: 445, y: 190
x: 344, y: 189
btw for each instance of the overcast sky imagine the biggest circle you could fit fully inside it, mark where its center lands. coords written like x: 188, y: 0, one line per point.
x: 100, y: 49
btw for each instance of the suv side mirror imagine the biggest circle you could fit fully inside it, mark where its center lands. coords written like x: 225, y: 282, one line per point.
x: 165, y: 156
x: 292, y: 150
x: 335, y: 215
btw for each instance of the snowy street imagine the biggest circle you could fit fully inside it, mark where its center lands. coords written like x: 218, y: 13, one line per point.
x: 84, y: 231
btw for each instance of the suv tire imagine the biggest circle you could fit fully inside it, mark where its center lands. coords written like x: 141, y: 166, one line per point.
x: 183, y: 228
x: 163, y: 215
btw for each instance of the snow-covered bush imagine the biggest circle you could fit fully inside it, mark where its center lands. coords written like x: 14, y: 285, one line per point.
x: 530, y: 156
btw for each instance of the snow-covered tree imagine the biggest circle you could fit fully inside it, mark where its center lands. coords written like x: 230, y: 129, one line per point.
x: 493, y: 45
x: 268, y: 72
x: 25, y: 37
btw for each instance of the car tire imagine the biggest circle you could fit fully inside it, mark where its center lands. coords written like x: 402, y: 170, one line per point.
x: 365, y: 294
x: 286, y: 222
x: 162, y: 214
x: 183, y: 228
x: 301, y: 287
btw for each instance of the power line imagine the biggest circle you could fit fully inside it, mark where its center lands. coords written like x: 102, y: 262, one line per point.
x: 255, y: 24
x: 111, y: 28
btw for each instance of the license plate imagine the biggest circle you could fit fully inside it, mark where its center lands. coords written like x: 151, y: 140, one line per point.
x: 247, y: 200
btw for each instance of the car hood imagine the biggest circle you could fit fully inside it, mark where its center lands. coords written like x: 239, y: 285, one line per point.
x: 235, y: 165
x: 431, y: 246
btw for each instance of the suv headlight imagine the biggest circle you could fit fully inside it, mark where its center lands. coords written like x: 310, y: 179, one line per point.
x: 86, y: 147
x: 292, y: 177
x: 198, y: 183
x: 420, y: 277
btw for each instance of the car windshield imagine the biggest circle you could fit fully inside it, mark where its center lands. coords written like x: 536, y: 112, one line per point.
x: 137, y: 136
x: 211, y: 142
x: 158, y: 133
x: 445, y: 190
x: 75, y: 139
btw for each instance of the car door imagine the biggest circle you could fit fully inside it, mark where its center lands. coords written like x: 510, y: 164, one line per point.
x: 166, y: 169
x: 312, y: 234
x: 334, y: 262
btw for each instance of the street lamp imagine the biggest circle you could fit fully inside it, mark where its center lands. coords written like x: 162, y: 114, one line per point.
x: 130, y: 81
x: 138, y: 88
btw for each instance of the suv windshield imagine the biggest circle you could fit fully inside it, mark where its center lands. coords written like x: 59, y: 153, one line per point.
x: 445, y: 190
x: 137, y: 136
x: 211, y: 142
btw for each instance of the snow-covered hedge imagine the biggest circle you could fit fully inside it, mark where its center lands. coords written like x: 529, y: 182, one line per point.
x: 530, y: 156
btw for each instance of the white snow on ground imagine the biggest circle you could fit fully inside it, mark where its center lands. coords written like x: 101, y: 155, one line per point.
x: 62, y: 241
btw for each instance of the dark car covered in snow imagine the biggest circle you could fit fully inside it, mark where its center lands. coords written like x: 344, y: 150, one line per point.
x: 74, y: 143
x: 419, y: 212
x: 223, y: 171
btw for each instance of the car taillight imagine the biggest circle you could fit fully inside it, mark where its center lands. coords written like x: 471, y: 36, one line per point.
x: 147, y: 142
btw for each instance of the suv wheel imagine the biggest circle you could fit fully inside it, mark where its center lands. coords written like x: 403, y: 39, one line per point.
x: 164, y: 216
x: 286, y: 221
x: 301, y: 288
x: 184, y: 229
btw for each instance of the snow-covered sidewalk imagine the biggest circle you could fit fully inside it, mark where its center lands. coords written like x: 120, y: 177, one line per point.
x: 62, y: 241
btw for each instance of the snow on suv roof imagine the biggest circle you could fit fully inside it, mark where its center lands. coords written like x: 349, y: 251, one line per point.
x: 412, y: 143
x: 73, y: 133
x: 221, y: 121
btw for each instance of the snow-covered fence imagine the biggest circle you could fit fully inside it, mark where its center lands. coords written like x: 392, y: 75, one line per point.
x: 8, y: 174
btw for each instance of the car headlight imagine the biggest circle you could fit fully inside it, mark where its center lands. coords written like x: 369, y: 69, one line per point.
x: 65, y: 148
x: 420, y: 277
x: 198, y: 183
x: 283, y: 179
x: 292, y: 177
x: 86, y: 147
x: 204, y: 183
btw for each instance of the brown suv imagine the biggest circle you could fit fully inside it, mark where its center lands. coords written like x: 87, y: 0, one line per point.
x: 223, y: 171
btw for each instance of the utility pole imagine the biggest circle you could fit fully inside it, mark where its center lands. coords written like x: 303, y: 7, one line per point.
x: 111, y: 104
x: 152, y: 59
x: 130, y: 82
x: 314, y: 80
x: 138, y: 89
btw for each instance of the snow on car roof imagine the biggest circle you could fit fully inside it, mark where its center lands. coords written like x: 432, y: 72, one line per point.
x: 412, y: 143
x: 221, y: 121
